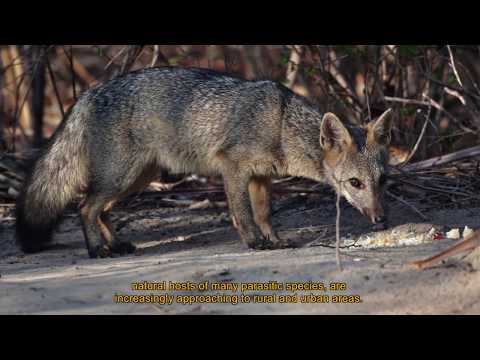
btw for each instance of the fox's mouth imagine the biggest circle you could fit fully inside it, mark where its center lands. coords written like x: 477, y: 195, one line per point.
x: 375, y: 219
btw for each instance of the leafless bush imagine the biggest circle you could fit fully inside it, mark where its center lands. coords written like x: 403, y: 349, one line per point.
x: 39, y: 82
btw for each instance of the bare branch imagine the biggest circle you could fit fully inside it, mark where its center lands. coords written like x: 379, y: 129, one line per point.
x: 420, y: 137
x: 293, y: 64
x: 454, y: 68
x: 444, y: 159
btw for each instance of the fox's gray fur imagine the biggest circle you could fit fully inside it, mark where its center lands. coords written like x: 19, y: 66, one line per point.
x: 120, y: 135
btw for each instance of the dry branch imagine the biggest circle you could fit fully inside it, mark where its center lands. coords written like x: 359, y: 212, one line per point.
x: 78, y: 69
x: 430, y: 102
x: 468, y: 244
x: 444, y: 159
x: 419, y: 140
x: 454, y: 68
x: 293, y: 64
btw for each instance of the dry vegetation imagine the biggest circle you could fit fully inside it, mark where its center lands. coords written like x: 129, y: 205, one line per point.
x: 433, y: 90
x: 182, y: 224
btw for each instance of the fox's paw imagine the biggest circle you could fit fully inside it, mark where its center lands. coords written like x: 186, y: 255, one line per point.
x: 284, y: 244
x: 279, y: 243
x: 100, y: 252
x: 261, y: 243
x: 123, y: 248
x: 118, y: 249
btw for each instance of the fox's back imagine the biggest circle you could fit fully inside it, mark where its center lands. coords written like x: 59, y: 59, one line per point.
x: 185, y: 115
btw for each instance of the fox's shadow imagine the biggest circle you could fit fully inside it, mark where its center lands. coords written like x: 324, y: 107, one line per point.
x: 174, y: 230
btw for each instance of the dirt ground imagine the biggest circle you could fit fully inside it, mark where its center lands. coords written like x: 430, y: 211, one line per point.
x: 184, y: 245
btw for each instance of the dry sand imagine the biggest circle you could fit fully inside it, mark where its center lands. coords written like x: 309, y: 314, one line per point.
x: 182, y: 245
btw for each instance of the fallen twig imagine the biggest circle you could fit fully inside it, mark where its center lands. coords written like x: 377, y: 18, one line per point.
x: 469, y: 243
x: 436, y: 189
x: 444, y: 159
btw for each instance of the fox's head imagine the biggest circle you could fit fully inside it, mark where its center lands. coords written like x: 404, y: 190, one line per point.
x: 355, y: 161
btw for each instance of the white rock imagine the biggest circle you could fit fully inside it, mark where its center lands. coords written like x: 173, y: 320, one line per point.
x: 467, y: 231
x: 453, y: 234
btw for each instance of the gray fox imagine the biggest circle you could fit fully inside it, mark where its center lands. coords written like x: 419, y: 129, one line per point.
x: 122, y: 134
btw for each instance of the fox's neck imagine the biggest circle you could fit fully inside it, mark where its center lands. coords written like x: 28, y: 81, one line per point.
x: 301, y: 140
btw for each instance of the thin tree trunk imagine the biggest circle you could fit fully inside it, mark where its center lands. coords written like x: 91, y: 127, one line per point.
x: 38, y: 66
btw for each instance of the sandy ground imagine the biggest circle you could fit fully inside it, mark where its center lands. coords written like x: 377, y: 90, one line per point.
x: 181, y: 245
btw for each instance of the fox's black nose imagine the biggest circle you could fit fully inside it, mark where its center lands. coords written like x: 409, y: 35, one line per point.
x: 380, y: 222
x: 379, y: 219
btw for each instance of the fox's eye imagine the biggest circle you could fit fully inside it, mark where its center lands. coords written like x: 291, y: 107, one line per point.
x: 357, y: 184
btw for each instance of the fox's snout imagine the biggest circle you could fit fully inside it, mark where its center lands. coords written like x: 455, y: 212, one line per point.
x: 376, y: 216
x: 378, y: 219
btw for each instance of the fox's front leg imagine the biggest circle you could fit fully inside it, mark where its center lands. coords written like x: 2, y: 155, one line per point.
x: 236, y: 188
x: 260, y: 197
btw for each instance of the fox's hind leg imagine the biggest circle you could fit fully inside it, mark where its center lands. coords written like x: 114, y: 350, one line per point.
x: 260, y: 197
x: 108, y: 233
x: 93, y: 228
x: 98, y: 230
x: 146, y: 176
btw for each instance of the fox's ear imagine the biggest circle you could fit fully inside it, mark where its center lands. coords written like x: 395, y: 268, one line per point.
x: 380, y: 130
x: 333, y: 133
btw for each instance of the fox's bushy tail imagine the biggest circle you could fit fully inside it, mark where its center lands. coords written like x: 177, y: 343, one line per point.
x: 55, y: 178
